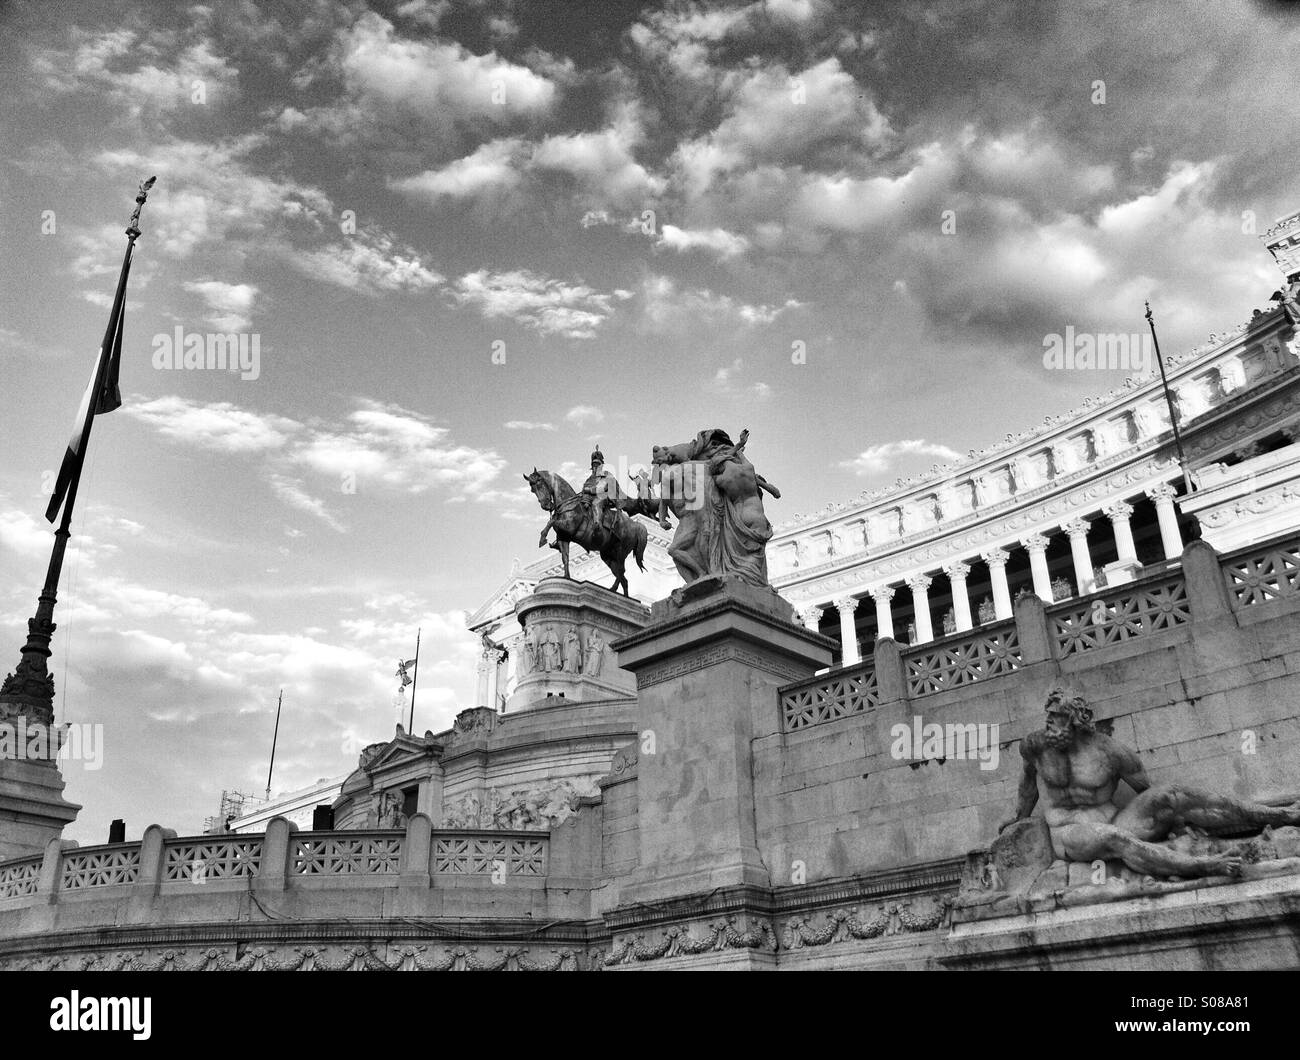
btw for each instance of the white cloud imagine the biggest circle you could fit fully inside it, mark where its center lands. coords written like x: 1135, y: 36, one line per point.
x: 380, y: 446
x: 229, y: 305
x: 716, y: 241
x: 21, y: 533
x: 491, y: 167
x: 603, y: 162
x: 776, y: 116
x: 386, y: 445
x: 730, y: 380
x: 583, y: 416
x: 219, y: 425
x: 877, y: 459
x: 528, y: 425
x: 295, y: 494
x: 138, y: 71
x: 549, y: 306
x: 668, y: 307
x: 437, y: 83
x: 369, y: 263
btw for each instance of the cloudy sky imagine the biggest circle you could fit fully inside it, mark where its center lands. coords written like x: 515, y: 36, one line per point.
x: 474, y: 236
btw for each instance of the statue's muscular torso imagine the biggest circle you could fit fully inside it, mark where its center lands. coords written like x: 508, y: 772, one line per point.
x: 1078, y: 783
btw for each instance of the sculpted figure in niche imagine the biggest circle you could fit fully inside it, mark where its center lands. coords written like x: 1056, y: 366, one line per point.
x: 595, y: 653
x: 572, y: 652
x: 550, y: 650
x: 528, y: 655
x: 1075, y: 771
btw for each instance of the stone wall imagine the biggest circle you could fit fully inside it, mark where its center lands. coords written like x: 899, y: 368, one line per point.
x: 857, y: 852
x: 1186, y: 689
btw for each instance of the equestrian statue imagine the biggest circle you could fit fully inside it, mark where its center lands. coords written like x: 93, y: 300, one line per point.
x: 597, y: 518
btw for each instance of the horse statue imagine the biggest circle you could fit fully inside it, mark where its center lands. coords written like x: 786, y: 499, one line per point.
x: 572, y: 521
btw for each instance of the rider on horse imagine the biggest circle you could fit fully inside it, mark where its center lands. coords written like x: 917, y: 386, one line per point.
x: 601, y: 493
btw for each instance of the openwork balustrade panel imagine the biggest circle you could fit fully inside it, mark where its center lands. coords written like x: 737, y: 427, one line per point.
x: 354, y: 855
x: 1270, y: 574
x: 988, y: 653
x: 19, y: 878
x: 1133, y: 611
x: 99, y: 868
x: 481, y: 855
x: 845, y: 694
x: 219, y: 859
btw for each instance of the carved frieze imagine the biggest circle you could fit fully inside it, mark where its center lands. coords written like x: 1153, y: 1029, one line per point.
x: 736, y: 932
x: 336, y: 958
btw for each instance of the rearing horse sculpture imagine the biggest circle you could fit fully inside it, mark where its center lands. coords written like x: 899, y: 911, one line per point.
x: 572, y: 522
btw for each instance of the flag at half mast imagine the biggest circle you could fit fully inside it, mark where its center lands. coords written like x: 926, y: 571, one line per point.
x: 102, y: 391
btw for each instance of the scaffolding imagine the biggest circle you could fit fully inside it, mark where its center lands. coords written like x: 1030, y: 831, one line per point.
x: 232, y: 805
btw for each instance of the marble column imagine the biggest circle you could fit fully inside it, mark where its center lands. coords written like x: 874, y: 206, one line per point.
x: 1083, y: 576
x: 849, y: 654
x: 812, y: 617
x: 996, y: 560
x: 1036, y: 546
x: 1126, y: 565
x: 882, y: 594
x: 1170, y: 537
x: 490, y: 678
x: 957, y: 573
x: 920, y: 586
x: 485, y: 668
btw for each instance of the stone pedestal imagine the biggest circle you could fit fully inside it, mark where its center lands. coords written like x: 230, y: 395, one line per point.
x: 1121, y: 572
x: 598, y: 616
x: 707, y: 672
x: 32, y: 807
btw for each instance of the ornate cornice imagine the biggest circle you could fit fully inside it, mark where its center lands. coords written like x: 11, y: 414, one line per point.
x: 1120, y: 475
x: 1050, y: 432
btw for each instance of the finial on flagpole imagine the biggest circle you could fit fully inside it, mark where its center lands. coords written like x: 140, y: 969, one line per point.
x: 133, y: 228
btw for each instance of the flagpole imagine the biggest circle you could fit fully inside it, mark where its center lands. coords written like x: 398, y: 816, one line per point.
x: 274, y: 739
x: 414, y: 681
x: 1169, y: 401
x: 30, y: 687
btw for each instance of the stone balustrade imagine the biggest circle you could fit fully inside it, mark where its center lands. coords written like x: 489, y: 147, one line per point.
x: 282, y: 858
x: 1168, y: 602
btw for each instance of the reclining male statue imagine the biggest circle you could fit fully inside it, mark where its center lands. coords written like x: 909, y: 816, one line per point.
x: 1075, y: 770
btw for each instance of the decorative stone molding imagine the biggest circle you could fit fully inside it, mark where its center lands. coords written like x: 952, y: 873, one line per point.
x: 846, y: 925
x: 735, y: 932
x: 882, y: 592
x: 846, y: 604
x: 1118, y: 511
x: 995, y: 557
x: 956, y: 571
x: 349, y: 958
x: 1076, y: 528
x: 919, y: 583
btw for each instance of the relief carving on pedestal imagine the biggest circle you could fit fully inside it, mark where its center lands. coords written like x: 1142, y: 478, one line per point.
x: 522, y: 809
